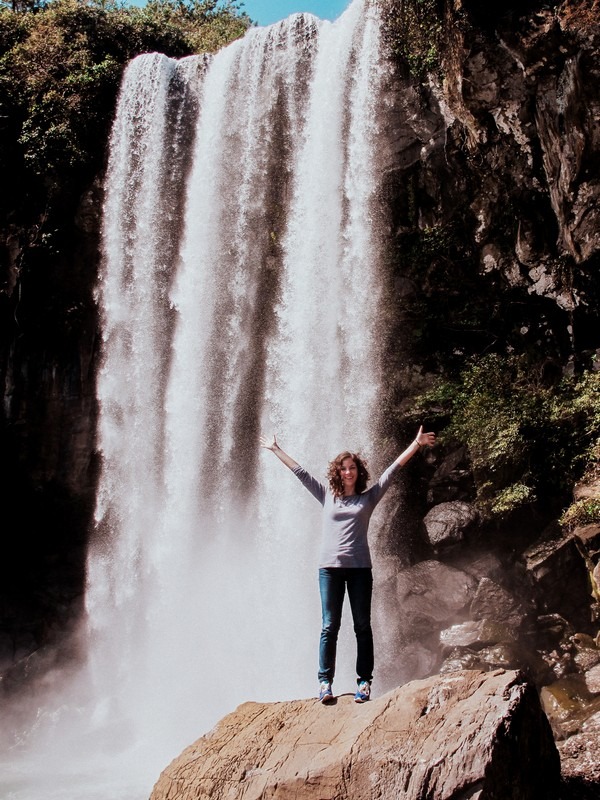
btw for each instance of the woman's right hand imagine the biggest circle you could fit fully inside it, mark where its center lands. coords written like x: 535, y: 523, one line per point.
x: 269, y: 443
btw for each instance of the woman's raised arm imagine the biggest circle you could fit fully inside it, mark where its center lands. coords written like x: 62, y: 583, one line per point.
x: 271, y: 444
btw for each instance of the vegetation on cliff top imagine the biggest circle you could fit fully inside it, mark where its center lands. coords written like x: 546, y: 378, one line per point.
x: 60, y: 70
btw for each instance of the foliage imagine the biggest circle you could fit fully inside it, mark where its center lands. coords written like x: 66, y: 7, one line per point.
x: 581, y: 512
x: 413, y: 30
x: 60, y: 69
x: 514, y: 496
x: 527, y: 440
x: 586, y: 510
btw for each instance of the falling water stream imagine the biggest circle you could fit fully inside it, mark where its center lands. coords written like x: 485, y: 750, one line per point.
x: 239, y: 294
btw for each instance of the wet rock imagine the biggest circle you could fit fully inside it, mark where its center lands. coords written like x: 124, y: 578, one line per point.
x: 586, y: 654
x: 495, y: 603
x: 498, y: 656
x: 429, y: 595
x: 477, y: 634
x: 448, y: 523
x: 413, y: 607
x: 559, y: 578
x: 568, y: 704
x: 460, y: 658
x: 553, y: 629
x: 563, y: 650
x: 452, y: 479
x: 580, y: 760
x: 592, y: 680
x: 480, y: 565
x: 469, y: 734
x: 560, y: 664
x: 588, y: 536
x: 501, y: 656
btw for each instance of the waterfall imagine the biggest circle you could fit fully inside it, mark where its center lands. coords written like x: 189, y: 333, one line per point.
x: 239, y: 294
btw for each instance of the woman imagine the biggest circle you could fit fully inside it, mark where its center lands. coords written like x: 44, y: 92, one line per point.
x: 345, y: 560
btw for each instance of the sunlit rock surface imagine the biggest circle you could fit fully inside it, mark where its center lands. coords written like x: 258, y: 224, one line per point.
x: 468, y: 735
x: 580, y: 760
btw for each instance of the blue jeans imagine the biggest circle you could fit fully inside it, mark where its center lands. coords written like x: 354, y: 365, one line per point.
x: 333, y: 582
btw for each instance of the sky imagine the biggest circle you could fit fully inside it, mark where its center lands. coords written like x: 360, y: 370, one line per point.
x: 265, y: 12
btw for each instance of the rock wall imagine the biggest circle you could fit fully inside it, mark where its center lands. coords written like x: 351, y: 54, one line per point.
x: 48, y: 352
x: 493, y: 175
x: 493, y: 182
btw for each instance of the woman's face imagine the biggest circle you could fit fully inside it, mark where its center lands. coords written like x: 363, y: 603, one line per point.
x: 348, y: 474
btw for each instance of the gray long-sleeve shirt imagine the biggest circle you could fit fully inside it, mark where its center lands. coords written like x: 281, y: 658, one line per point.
x: 345, y: 524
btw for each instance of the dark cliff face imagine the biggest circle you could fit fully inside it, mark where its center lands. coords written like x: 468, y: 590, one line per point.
x: 49, y: 349
x: 492, y: 184
x: 494, y: 178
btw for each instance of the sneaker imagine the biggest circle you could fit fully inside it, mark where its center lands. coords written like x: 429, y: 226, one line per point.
x: 363, y: 693
x: 325, y: 693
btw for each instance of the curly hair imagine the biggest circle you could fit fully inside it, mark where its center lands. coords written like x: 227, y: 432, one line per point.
x: 334, y: 477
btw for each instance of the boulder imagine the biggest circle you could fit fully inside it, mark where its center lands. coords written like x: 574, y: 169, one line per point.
x: 452, y: 480
x: 447, y: 523
x: 586, y: 653
x: 559, y: 578
x: 568, y: 705
x: 480, y: 564
x: 429, y: 596
x: 469, y: 735
x: 412, y: 608
x: 494, y: 602
x: 496, y: 656
x: 588, y: 488
x: 580, y: 760
x: 592, y: 680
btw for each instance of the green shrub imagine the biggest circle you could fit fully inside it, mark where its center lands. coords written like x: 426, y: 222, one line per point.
x: 526, y: 441
x: 61, y: 67
x: 511, y: 498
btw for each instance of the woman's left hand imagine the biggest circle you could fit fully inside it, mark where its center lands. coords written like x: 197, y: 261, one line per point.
x: 423, y: 439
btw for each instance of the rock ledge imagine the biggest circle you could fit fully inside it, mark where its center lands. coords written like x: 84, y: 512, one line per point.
x: 464, y: 735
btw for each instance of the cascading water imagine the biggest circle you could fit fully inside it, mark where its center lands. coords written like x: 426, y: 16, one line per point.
x: 239, y: 293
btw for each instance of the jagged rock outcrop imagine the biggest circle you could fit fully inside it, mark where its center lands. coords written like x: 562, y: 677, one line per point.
x: 493, y: 179
x: 494, y: 601
x: 465, y: 735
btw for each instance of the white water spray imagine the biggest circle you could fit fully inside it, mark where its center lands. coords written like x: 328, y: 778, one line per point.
x: 239, y: 293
